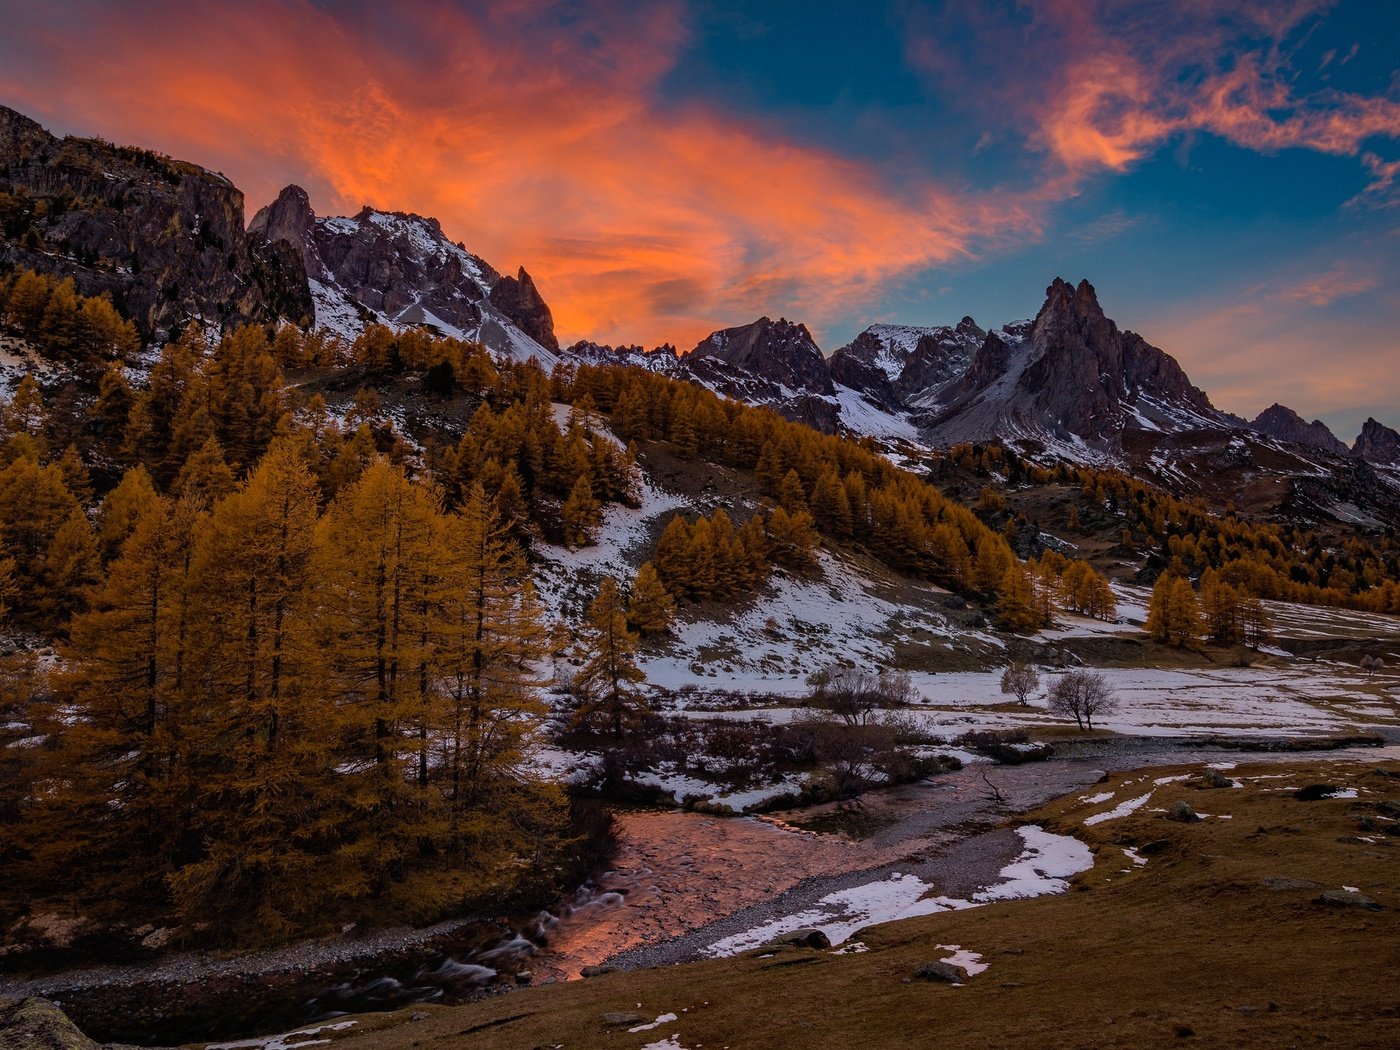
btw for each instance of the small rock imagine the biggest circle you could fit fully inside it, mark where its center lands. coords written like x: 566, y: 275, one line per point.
x: 805, y: 938
x: 1315, y: 792
x: 158, y: 938
x: 60, y: 931
x: 597, y: 971
x: 1347, y: 899
x: 524, y: 977
x: 617, y: 1019
x: 1280, y: 883
x: 941, y: 971
x: 418, y: 1015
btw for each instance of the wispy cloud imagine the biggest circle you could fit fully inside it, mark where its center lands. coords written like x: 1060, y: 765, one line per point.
x: 1098, y: 85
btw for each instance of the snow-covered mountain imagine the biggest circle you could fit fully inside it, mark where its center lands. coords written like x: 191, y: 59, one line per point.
x: 401, y: 270
x: 1068, y: 385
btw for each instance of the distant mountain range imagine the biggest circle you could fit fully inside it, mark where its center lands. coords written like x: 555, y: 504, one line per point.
x: 166, y: 239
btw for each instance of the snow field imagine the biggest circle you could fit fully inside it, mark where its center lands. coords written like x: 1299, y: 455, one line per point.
x: 1044, y: 866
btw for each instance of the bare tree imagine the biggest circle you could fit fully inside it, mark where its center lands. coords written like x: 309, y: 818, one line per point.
x: 853, y: 695
x: 1021, y: 681
x: 1083, y: 695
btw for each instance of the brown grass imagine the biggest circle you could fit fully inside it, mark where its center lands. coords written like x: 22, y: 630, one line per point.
x: 1191, y: 950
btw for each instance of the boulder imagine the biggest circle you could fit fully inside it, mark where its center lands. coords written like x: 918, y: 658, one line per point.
x: 944, y: 972
x: 1315, y: 792
x: 37, y: 1024
x: 1347, y: 899
x: 804, y: 938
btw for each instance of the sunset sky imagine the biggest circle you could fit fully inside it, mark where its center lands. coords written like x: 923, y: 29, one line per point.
x: 1228, y: 182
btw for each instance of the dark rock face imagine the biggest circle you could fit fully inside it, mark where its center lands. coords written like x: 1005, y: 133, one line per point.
x: 854, y: 366
x: 1378, y: 444
x: 941, y: 357
x: 519, y: 299
x: 774, y: 363
x: 289, y: 219
x: 1074, y: 374
x: 164, y: 238
x: 1286, y: 425
x: 777, y: 351
x: 400, y: 269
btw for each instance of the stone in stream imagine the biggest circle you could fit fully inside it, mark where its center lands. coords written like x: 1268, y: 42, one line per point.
x: 597, y: 971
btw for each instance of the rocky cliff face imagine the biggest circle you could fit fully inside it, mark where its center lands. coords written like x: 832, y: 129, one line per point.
x: 1378, y: 444
x: 901, y: 365
x: 776, y: 363
x: 781, y: 352
x: 1073, y: 376
x: 519, y: 299
x: 1283, y: 423
x: 164, y: 238
x: 401, y: 270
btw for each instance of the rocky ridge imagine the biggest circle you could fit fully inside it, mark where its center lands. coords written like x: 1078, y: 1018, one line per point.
x: 1378, y: 444
x: 163, y: 237
x: 399, y: 269
x: 1283, y: 423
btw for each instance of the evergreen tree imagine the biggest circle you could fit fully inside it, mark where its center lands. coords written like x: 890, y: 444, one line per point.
x: 127, y: 789
x: 606, y: 683
x: 377, y: 567
x: 581, y: 513
x: 1016, y: 608
x: 490, y: 640
x: 270, y: 804
x: 650, y: 608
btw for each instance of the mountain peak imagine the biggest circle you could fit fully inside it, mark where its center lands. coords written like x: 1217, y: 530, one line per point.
x: 519, y: 299
x: 1378, y: 443
x: 1280, y: 421
x: 780, y: 351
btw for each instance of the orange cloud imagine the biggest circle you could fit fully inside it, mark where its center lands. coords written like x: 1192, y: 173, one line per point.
x: 1100, y: 84
x: 531, y: 142
x: 1326, y: 288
